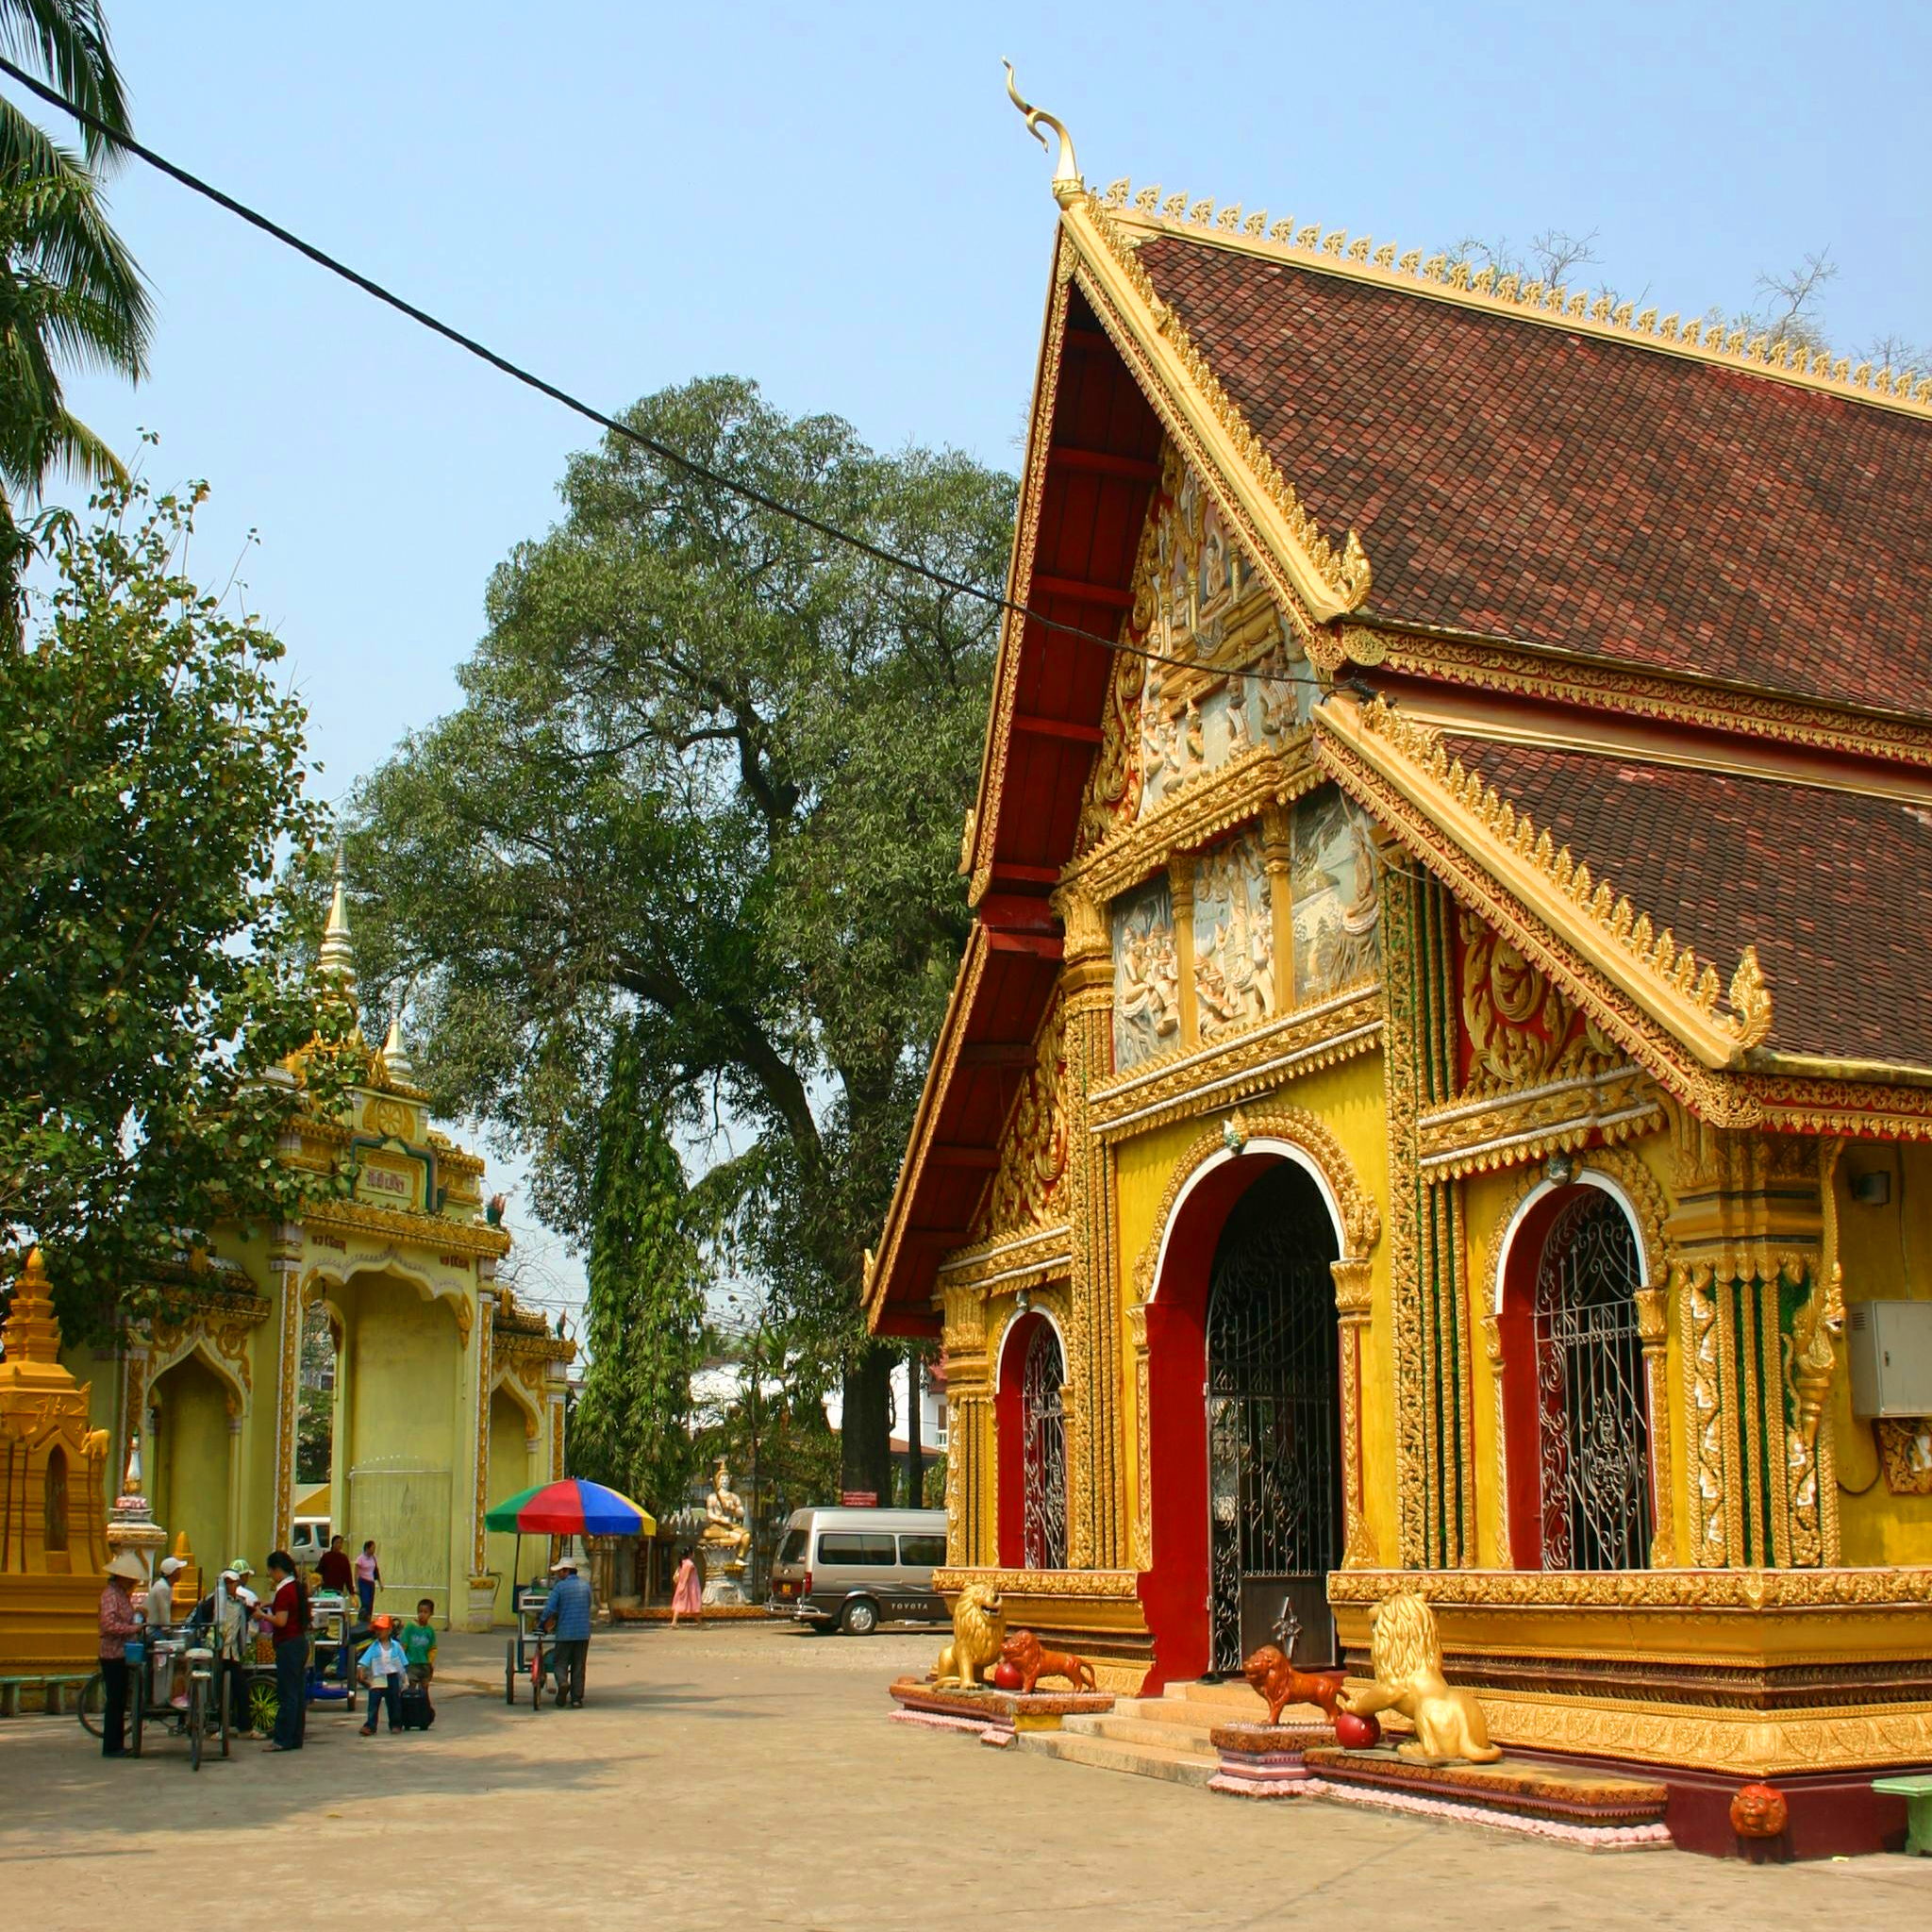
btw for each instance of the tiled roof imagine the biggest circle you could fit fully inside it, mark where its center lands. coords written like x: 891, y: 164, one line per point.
x: 1519, y: 480
x: 1833, y: 888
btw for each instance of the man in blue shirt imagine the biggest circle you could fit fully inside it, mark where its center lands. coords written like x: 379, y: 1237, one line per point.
x: 567, y: 1612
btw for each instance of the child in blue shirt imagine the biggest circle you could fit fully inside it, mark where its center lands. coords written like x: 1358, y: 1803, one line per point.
x: 383, y: 1668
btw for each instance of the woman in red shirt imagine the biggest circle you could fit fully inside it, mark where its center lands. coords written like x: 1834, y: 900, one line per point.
x: 287, y: 1621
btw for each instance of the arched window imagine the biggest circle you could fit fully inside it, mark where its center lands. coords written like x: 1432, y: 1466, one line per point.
x: 1043, y: 1436
x: 56, y: 1499
x: 1592, y: 1423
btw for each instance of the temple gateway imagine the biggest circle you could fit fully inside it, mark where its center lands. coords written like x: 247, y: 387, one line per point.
x: 1437, y: 1094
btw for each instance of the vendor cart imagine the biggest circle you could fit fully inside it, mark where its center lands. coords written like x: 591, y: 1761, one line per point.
x: 571, y: 1507
x: 334, y: 1640
x: 155, y: 1667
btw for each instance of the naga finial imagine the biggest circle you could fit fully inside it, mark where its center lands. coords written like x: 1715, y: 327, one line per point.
x: 1066, y: 175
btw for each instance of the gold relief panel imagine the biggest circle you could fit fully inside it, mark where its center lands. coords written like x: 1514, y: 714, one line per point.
x: 1338, y: 908
x: 1234, y: 939
x: 1146, y: 975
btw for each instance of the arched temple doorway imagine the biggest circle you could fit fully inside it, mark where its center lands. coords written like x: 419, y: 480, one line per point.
x: 400, y: 1435
x: 192, y: 1442
x: 1245, y: 1487
x: 1031, y: 1417
x: 1575, y: 1397
x: 1274, y: 1444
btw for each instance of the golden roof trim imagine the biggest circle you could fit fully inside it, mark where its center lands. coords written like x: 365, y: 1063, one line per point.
x: 1438, y: 278
x: 1678, y: 989
x: 1328, y: 583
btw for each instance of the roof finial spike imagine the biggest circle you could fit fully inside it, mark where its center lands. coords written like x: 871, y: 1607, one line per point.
x: 336, y: 958
x: 1067, y: 184
x: 395, y: 1055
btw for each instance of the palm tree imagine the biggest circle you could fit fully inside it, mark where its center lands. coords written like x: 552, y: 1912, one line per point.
x: 71, y: 294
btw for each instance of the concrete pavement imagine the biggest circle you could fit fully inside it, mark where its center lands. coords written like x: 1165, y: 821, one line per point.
x: 746, y: 1775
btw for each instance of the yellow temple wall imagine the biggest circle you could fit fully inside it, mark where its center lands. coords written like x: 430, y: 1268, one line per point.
x: 1886, y: 1252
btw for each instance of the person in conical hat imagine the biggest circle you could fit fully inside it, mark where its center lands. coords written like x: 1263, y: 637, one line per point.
x: 119, y: 1621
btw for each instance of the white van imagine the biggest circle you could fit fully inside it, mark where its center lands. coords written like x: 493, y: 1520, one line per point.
x: 852, y: 1570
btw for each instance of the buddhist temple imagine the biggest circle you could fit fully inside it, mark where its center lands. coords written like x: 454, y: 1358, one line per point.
x: 448, y: 1394
x: 1437, y: 1096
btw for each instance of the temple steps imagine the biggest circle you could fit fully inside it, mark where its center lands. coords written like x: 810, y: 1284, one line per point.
x: 1164, y: 1737
x: 1178, y: 1763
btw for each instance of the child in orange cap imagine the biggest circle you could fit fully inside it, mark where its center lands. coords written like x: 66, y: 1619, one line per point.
x: 383, y: 1668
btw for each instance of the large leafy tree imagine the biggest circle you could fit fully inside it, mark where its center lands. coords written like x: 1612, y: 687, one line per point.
x: 70, y: 292
x: 644, y: 1318
x: 151, y: 774
x: 706, y: 785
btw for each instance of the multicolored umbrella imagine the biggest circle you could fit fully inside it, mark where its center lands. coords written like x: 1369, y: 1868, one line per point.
x: 571, y: 1507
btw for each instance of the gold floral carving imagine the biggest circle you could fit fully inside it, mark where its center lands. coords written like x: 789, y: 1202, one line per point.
x: 1479, y: 1135
x: 1361, y: 1218
x: 1352, y: 1307
x: 1121, y: 1585
x: 1028, y: 1185
x: 403, y: 1225
x: 1695, y: 1293
x: 1143, y: 1435
x: 1519, y: 1029
x: 1440, y: 276
x: 1904, y: 1453
x: 1892, y: 1587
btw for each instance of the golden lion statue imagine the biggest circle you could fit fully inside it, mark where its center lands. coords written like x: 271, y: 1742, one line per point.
x: 979, y: 1628
x: 1407, y: 1656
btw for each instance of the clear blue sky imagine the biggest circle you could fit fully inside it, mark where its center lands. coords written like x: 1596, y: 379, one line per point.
x: 840, y: 202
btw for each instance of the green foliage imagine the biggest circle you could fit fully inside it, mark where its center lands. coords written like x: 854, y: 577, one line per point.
x: 707, y: 786
x: 644, y: 1321
x: 150, y: 770
x: 70, y: 291
x: 315, y: 1412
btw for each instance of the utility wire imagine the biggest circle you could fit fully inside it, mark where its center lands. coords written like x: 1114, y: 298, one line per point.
x: 614, y: 426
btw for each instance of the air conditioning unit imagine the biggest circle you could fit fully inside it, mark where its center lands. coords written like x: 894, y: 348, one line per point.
x: 1891, y: 1348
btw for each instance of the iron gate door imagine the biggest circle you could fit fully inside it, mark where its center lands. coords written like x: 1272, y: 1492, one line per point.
x: 1273, y: 1463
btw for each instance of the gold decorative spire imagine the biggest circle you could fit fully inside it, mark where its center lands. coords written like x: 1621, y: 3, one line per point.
x: 338, y: 958
x: 395, y: 1055
x: 1066, y: 174
x: 32, y: 1335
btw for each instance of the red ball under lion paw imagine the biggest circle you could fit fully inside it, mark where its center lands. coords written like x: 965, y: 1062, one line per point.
x: 1355, y: 1733
x: 1006, y: 1678
x: 1760, y: 1811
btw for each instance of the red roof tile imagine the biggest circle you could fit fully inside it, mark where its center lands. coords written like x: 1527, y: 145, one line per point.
x: 1834, y: 889
x: 1519, y: 480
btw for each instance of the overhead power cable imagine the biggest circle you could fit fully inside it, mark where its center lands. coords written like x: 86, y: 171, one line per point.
x: 750, y: 492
